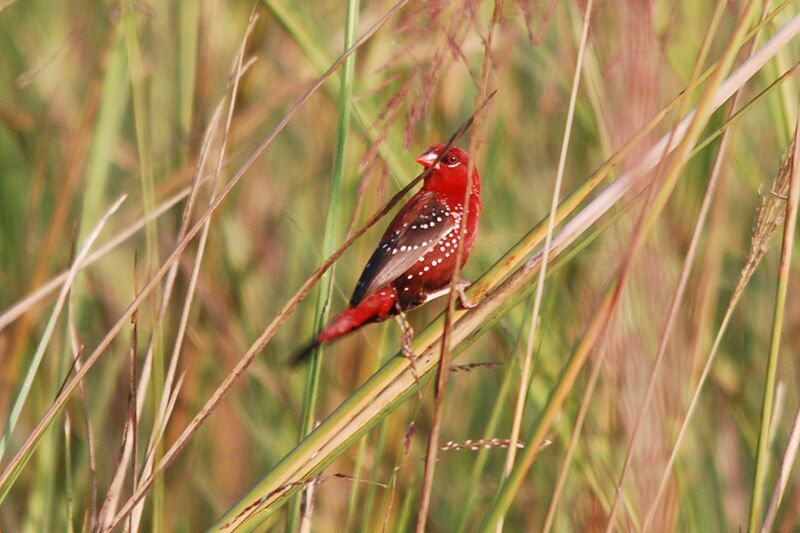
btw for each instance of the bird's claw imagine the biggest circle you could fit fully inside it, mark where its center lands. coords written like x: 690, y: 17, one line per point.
x: 462, y: 295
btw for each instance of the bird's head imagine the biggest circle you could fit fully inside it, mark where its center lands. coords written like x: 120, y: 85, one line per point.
x: 449, y: 174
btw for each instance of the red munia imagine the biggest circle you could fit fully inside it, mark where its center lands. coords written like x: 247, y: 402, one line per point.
x: 415, y: 259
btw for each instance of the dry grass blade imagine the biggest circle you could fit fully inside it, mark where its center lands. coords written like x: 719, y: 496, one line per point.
x: 527, y: 364
x: 770, y: 214
x: 703, y: 113
x: 128, y: 450
x: 169, y: 394
x: 77, y: 353
x: 783, y: 475
x: 18, y: 309
x: 36, y: 360
x: 680, y: 289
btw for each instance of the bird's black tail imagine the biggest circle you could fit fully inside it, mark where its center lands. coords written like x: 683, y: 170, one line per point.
x: 302, y: 355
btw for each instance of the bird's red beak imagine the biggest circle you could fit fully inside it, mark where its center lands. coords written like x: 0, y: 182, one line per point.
x: 427, y: 159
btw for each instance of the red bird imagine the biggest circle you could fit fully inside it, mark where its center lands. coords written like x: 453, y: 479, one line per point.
x: 415, y: 259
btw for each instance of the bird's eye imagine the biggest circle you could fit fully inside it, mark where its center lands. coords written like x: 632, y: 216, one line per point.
x: 451, y: 159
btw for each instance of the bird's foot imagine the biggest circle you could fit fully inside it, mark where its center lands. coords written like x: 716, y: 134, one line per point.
x: 461, y: 288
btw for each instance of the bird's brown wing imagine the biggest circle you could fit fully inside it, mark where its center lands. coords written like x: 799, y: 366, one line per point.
x: 416, y: 228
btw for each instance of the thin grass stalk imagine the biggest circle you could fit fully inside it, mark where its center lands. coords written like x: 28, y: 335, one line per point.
x: 766, y: 223
x: 18, y: 309
x: 238, y: 70
x: 113, y: 105
x: 686, y: 133
x: 565, y: 259
x: 471, y: 494
x: 128, y: 454
x: 572, y: 445
x: 143, y: 142
x: 36, y: 360
x: 443, y: 369
x: 369, y: 400
x: 77, y: 354
x: 131, y: 432
x: 20, y: 459
x: 40, y: 505
x: 522, y: 394
x: 650, y: 514
x: 362, y: 112
x: 388, y: 496
x: 672, y: 174
x: 733, y: 118
x: 614, y: 295
x: 561, y: 480
x: 680, y: 289
x: 784, y: 268
x: 783, y: 475
x: 378, y: 447
x: 144, y: 145
x: 353, y: 498
x: 787, y: 107
x: 188, y: 27
x: 330, y: 238
x: 557, y: 397
x: 170, y: 389
x: 74, y: 169
x: 407, y: 510
x: 69, y: 485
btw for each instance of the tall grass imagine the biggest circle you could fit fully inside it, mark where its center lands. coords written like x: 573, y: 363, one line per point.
x: 144, y: 344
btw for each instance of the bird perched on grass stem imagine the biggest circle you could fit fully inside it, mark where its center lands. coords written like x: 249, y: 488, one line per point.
x: 415, y: 260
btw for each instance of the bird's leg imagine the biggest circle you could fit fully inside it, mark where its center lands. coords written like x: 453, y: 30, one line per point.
x: 406, y: 336
x: 462, y: 295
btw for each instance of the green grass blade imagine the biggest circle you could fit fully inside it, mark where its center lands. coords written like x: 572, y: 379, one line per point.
x: 331, y: 238
x: 762, y: 451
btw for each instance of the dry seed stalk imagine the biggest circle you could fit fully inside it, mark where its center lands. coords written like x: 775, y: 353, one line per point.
x: 477, y: 444
x: 770, y: 215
